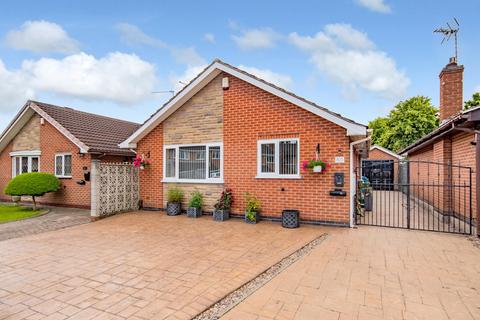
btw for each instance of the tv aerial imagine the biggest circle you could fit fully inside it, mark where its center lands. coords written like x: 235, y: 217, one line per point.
x: 448, y: 32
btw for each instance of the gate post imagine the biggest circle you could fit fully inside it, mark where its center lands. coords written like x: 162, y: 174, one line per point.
x: 95, y: 190
x: 408, y: 194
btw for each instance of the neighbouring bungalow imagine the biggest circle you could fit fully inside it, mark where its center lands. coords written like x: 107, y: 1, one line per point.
x: 456, y: 144
x: 62, y: 141
x: 230, y: 129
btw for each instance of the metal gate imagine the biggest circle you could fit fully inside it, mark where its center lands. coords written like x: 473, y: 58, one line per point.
x: 422, y: 195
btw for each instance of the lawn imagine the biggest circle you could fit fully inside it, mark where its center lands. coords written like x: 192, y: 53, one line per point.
x: 11, y: 213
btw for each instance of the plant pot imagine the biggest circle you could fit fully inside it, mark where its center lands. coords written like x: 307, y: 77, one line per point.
x: 194, y: 212
x: 254, y: 219
x: 317, y: 169
x: 16, y: 199
x: 174, y: 208
x: 221, y: 215
x: 290, y: 218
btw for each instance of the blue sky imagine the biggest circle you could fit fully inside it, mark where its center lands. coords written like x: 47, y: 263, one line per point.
x: 355, y: 57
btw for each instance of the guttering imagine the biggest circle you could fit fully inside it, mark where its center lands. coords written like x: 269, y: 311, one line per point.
x: 352, y: 178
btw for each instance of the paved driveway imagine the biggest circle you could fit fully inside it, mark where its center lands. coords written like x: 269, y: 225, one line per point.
x: 375, y: 273
x: 137, y: 266
x: 57, y: 218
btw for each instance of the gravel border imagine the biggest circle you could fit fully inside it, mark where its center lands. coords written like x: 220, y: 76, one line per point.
x: 228, y: 302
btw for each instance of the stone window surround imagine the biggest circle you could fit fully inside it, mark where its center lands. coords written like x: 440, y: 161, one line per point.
x: 176, y: 179
x: 27, y: 153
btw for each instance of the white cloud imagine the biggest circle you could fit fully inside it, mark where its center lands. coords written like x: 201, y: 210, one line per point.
x: 349, y: 57
x: 375, y: 5
x: 279, y: 79
x: 41, y: 37
x: 209, y: 37
x: 14, y: 92
x: 256, y: 39
x: 132, y: 35
x: 121, y: 78
x: 478, y: 88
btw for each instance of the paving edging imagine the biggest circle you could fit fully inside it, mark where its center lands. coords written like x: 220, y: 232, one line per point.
x: 42, y: 213
x: 227, y: 303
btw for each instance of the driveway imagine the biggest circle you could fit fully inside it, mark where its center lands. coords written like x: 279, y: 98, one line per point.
x: 375, y: 273
x: 137, y: 266
x: 56, y: 218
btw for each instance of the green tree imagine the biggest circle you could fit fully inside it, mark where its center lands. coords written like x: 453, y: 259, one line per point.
x: 474, y: 102
x: 34, y: 184
x: 407, y: 122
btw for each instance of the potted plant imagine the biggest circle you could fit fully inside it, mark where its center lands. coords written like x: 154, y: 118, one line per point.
x: 317, y: 166
x: 252, y: 209
x: 194, y: 209
x: 141, y: 162
x: 174, y: 201
x: 223, y: 205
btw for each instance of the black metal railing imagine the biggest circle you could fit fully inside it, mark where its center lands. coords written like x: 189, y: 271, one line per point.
x: 415, y: 194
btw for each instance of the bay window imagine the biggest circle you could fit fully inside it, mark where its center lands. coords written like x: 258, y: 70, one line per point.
x: 25, y: 162
x: 193, y: 163
x: 278, y: 158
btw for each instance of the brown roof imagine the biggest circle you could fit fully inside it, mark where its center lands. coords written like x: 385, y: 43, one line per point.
x: 99, y: 133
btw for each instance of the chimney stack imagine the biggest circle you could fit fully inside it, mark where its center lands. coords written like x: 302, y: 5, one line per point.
x: 451, y: 90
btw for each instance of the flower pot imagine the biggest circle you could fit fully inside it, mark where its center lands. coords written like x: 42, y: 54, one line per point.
x: 194, y: 212
x: 16, y: 199
x: 290, y: 218
x: 174, y: 208
x: 221, y: 215
x: 317, y: 169
x: 253, y: 219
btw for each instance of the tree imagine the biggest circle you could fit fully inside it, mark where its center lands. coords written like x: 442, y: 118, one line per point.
x: 407, y: 122
x: 34, y: 184
x: 474, y: 102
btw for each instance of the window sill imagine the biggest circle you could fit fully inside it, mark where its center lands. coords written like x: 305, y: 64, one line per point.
x: 64, y: 177
x: 193, y: 181
x: 280, y: 177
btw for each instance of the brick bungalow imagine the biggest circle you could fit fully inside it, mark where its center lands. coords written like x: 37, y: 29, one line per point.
x: 456, y: 141
x: 62, y: 141
x: 230, y: 129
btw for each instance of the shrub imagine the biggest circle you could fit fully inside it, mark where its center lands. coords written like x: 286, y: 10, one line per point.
x: 196, y: 200
x: 34, y: 184
x: 253, y: 204
x: 175, y: 195
x: 225, y: 201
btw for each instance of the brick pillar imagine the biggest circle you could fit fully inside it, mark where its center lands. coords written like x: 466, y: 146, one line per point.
x: 95, y: 190
x: 442, y: 154
x: 451, y: 90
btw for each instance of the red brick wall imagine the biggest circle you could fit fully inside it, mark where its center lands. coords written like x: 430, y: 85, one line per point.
x: 5, y: 171
x: 251, y: 114
x: 456, y: 150
x: 151, y: 188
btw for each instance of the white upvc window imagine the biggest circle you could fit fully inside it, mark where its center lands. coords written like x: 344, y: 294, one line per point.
x: 63, y: 165
x: 278, y: 158
x: 24, y: 162
x: 193, y: 163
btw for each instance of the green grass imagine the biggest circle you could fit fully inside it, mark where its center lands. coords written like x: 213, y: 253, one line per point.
x: 11, y: 213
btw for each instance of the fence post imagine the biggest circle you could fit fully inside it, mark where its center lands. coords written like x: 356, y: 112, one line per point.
x: 408, y: 194
x: 95, y: 190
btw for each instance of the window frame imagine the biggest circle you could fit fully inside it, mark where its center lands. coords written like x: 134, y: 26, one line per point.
x: 177, y: 147
x: 63, y: 176
x: 24, y: 154
x: 276, y: 174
